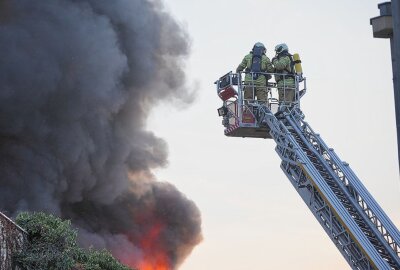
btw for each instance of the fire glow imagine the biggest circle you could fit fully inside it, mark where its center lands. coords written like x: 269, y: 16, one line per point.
x: 154, y: 256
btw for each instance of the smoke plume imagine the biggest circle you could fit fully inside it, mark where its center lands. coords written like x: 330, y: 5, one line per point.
x: 78, y: 79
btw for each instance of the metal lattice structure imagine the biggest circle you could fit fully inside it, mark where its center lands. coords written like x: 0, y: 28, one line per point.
x: 348, y: 213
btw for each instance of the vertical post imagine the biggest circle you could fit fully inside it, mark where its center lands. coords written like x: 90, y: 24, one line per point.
x: 395, y: 48
x: 240, y: 101
x: 387, y: 25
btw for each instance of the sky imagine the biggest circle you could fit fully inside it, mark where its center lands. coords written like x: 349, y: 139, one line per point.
x: 252, y: 216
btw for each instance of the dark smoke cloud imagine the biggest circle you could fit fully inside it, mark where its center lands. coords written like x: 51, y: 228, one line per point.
x: 78, y: 80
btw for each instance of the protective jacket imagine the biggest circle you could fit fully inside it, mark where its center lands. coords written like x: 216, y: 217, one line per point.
x: 283, y: 64
x: 266, y: 66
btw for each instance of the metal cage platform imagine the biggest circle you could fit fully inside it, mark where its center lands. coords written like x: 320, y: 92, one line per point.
x: 242, y: 117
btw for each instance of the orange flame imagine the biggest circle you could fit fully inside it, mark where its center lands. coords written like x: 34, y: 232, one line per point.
x: 154, y: 265
x: 154, y: 256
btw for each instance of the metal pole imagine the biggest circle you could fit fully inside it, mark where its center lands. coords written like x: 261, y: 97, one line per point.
x: 395, y: 48
x: 387, y: 25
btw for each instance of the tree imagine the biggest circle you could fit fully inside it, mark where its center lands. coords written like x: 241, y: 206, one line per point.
x: 52, y: 245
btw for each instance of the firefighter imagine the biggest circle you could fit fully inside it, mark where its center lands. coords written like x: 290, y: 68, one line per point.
x: 254, y: 63
x: 283, y: 64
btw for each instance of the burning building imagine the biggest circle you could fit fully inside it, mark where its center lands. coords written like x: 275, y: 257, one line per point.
x: 78, y: 79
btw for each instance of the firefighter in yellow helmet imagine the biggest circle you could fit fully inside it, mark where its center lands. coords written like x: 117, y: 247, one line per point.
x: 283, y: 64
x: 254, y: 63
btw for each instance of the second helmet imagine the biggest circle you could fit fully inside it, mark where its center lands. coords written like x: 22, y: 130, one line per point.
x: 281, y: 47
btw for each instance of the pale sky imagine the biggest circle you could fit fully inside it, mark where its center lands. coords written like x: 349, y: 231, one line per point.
x: 252, y: 216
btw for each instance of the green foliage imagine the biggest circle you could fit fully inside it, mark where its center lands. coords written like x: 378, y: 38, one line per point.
x: 52, y: 245
x: 51, y: 242
x: 99, y: 260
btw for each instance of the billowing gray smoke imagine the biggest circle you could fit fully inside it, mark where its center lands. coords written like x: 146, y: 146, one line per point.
x: 78, y: 79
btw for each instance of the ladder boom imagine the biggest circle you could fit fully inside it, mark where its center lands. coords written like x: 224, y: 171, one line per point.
x: 348, y: 213
x: 353, y: 220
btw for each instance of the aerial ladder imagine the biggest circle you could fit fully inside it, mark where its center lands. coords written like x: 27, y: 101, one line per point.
x: 348, y: 213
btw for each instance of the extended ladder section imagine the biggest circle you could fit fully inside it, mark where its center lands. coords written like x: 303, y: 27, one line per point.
x: 351, y: 217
